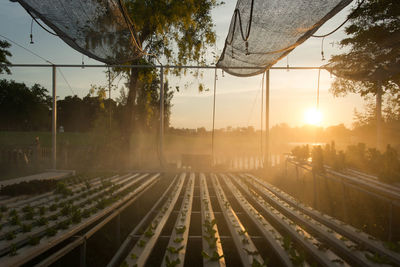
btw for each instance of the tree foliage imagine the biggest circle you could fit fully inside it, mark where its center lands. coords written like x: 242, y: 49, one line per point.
x: 23, y: 108
x: 172, y: 31
x: 175, y: 30
x: 372, y: 62
x: 4, y: 53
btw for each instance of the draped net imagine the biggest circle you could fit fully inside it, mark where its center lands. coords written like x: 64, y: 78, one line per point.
x: 95, y: 28
x: 274, y: 29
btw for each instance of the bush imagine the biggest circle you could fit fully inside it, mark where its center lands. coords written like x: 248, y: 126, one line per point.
x: 28, y: 188
x: 301, y: 153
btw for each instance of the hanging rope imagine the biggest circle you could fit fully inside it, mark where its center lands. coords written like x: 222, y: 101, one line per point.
x: 213, y: 120
x: 237, y: 16
x: 319, y: 76
x: 344, y: 22
x: 41, y: 26
x: 261, y: 115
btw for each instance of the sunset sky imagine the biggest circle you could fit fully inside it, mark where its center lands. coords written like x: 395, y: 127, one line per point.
x: 238, y: 99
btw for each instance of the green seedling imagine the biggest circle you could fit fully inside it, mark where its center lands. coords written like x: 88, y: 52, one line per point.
x: 53, y: 207
x: 41, y: 221
x: 242, y: 232
x: 178, y: 240
x: 174, y: 250
x: 171, y: 263
x: 76, y: 216
x: 26, y: 227
x: 149, y: 232
x: 10, y: 235
x: 377, y: 258
x: 42, y: 211
x: 180, y: 230
x: 34, y: 240
x: 27, y: 208
x: 12, y: 212
x: 141, y: 243
x: 14, y: 220
x: 13, y: 250
x: 51, y: 231
x: 252, y: 253
x: 256, y: 263
x: 214, y: 257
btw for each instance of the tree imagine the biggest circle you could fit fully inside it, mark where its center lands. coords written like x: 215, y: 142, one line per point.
x: 24, y: 108
x: 175, y: 31
x: 373, y: 60
x: 372, y: 64
x: 4, y: 53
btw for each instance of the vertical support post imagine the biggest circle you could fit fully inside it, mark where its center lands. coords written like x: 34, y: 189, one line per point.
x: 267, y: 163
x: 390, y: 221
x: 118, y: 230
x: 83, y: 254
x: 315, y: 190
x: 109, y: 98
x: 213, y: 121
x: 161, y: 141
x: 379, y: 116
x: 54, y: 121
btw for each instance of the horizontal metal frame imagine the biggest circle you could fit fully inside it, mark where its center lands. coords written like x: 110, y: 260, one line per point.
x: 152, y: 66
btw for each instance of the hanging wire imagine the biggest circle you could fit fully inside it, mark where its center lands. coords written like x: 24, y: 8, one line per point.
x: 322, y: 49
x: 26, y: 49
x: 66, y: 81
x: 319, y: 76
x: 83, y: 62
x: 42, y: 58
x: 287, y: 63
x: 31, y: 35
x: 41, y: 26
x: 237, y: 16
x: 261, y: 116
x: 213, y: 120
x: 253, y: 105
x: 344, y: 22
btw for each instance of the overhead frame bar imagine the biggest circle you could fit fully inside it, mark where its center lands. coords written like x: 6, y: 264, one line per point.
x: 154, y: 66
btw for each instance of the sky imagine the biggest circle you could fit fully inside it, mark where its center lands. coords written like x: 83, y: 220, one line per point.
x: 238, y: 100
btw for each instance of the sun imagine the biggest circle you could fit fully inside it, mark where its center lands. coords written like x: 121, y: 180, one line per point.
x: 313, y: 116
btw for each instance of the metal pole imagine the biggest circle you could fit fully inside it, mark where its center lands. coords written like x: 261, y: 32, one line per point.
x: 213, y: 122
x: 54, y: 122
x: 161, y: 141
x: 109, y: 97
x: 390, y: 221
x: 267, y: 119
x: 379, y: 116
x: 118, y: 230
x: 82, y: 260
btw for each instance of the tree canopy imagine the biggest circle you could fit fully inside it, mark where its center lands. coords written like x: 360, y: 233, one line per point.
x: 171, y: 31
x: 23, y: 108
x: 373, y: 60
x: 4, y: 53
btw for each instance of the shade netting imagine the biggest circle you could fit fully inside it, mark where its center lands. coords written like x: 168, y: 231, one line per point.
x: 263, y: 31
x: 95, y: 28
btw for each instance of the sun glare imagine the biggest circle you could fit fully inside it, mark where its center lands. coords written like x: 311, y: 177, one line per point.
x: 313, y: 116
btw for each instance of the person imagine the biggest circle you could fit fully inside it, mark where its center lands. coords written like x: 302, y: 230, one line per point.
x: 36, y: 151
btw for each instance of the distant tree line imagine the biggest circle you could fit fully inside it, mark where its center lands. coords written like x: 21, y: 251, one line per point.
x: 24, y: 108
